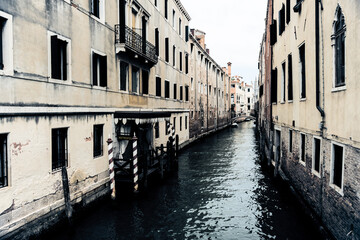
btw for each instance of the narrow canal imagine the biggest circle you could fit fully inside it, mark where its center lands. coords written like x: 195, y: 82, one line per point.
x: 220, y: 192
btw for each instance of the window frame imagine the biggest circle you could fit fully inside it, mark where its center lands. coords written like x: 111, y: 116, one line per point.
x: 68, y: 56
x: 100, y: 152
x: 102, y: 7
x: 336, y: 35
x: 101, y: 54
x: 4, y: 160
x: 302, y: 152
x: 158, y: 84
x: 127, y: 76
x: 66, y: 149
x: 7, y: 50
x: 313, y: 163
x: 339, y: 189
x: 302, y: 72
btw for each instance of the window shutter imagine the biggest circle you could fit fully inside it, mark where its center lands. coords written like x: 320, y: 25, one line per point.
x: 273, y: 33
x: 55, y: 57
x: 94, y: 69
x: 64, y: 60
x: 2, y: 23
x: 186, y: 33
x: 103, y: 71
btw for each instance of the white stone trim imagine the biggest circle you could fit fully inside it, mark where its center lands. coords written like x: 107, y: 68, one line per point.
x: 313, y: 171
x: 68, y: 55
x: 8, y: 51
x: 332, y: 185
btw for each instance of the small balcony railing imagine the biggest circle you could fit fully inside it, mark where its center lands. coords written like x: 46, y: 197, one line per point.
x: 136, y: 43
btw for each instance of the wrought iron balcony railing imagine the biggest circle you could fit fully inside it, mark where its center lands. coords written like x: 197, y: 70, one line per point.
x: 136, y: 43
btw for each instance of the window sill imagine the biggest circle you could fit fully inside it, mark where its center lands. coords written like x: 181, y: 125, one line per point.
x: 302, y: 163
x: 98, y: 87
x: 338, y: 89
x: 6, y: 72
x: 54, y: 80
x: 100, y: 20
x: 302, y: 99
x: 315, y: 173
x: 337, y: 189
x: 100, y: 156
x: 290, y: 101
x: 57, y: 170
x: 282, y: 102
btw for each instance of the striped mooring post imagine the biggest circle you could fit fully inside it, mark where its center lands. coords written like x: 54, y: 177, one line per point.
x: 111, y: 168
x: 135, y: 164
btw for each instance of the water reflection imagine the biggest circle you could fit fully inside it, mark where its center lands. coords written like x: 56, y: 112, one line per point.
x: 220, y: 192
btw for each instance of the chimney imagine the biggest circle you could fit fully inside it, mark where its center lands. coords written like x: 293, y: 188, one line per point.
x: 229, y: 68
x: 208, y: 51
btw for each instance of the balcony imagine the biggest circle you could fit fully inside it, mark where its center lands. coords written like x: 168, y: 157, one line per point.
x: 130, y: 40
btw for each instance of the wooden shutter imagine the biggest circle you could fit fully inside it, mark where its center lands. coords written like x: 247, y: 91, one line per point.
x: 94, y: 69
x: 103, y: 71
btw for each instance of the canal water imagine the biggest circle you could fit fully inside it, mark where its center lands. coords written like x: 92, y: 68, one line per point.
x: 219, y: 192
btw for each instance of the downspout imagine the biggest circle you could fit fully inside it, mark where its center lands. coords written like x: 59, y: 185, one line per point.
x: 321, y: 110
x: 317, y: 50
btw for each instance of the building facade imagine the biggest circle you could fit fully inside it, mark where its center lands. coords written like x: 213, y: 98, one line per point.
x: 315, y: 141
x: 77, y: 73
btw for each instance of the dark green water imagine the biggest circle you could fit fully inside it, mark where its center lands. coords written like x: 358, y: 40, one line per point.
x: 220, y: 192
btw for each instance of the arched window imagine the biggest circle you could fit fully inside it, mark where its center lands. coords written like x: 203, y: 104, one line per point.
x: 338, y: 39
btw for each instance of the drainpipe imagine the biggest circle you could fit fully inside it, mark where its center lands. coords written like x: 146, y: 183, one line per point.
x: 321, y: 110
x: 317, y: 49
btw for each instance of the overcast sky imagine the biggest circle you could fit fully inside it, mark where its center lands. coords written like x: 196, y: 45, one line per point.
x: 234, y: 29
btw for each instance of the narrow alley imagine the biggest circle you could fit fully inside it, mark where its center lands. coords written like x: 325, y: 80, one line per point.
x: 219, y: 192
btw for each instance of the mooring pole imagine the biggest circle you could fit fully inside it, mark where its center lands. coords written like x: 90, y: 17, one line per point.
x: 161, y: 161
x: 66, y: 189
x: 111, y: 168
x: 135, y: 164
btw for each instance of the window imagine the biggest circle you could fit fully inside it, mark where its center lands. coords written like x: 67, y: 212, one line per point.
x: 95, y: 8
x: 59, y: 148
x: 135, y: 80
x: 248, y: 89
x: 248, y: 100
x: 248, y: 108
x: 174, y: 56
x: 99, y: 70
x: 3, y: 160
x: 157, y: 130
x: 283, y: 84
x: 155, y: 3
x: 180, y: 58
x: 59, y: 58
x: 158, y: 87
x: 273, y: 33
x: 187, y: 93
x: 174, y: 124
x: 232, y: 85
x: 282, y: 20
x: 166, y: 9
x: 338, y: 39
x: 337, y: 165
x: 274, y: 85
x: 145, y: 82
x: 6, y: 43
x: 180, y: 26
x: 167, y: 127
x: 98, y: 140
x: 290, y: 78
x: 302, y: 71
x: 173, y: 19
x: 167, y: 59
x: 181, y: 93
x: 187, y: 33
x: 290, y: 140
x: 124, y: 76
x: 157, y: 37
x: 175, y: 90
x: 288, y: 11
x: 167, y: 89
x: 186, y: 124
x: 180, y: 123
x: 302, y: 148
x: 186, y: 63
x: 316, y: 155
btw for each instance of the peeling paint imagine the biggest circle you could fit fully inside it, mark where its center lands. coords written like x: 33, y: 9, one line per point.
x: 17, y: 147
